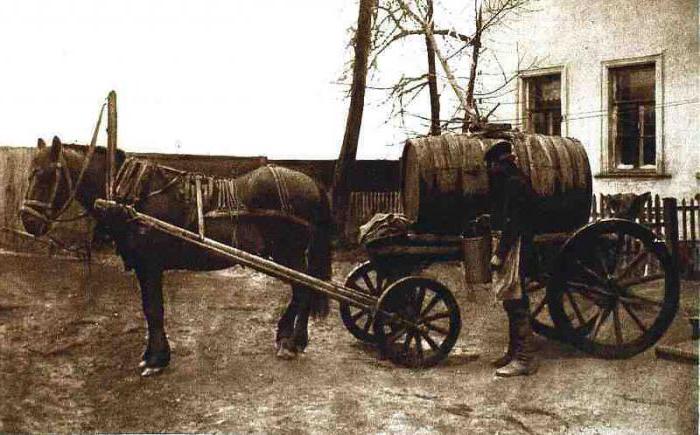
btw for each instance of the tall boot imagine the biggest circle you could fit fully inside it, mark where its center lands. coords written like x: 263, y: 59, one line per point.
x: 507, y: 357
x: 523, y: 362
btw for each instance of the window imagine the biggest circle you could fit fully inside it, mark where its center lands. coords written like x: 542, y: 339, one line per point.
x: 542, y: 98
x: 632, y: 121
x: 632, y: 116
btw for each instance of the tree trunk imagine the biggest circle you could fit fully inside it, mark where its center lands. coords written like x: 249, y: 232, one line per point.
x: 348, y: 151
x: 476, y: 46
x: 432, y: 79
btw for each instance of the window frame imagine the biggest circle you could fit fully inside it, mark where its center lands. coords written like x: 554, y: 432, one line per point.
x: 523, y: 94
x: 609, y: 154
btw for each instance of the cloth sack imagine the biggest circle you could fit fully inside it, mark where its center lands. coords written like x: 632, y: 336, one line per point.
x: 506, y: 280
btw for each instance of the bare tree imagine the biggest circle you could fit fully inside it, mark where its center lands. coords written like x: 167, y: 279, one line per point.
x: 395, y: 23
x: 400, y: 19
x: 435, y: 129
x: 348, y: 151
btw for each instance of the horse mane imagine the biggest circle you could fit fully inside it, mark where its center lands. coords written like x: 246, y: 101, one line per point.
x: 120, y: 155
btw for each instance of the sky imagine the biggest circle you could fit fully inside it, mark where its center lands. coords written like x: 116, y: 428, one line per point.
x: 194, y: 77
x: 215, y: 77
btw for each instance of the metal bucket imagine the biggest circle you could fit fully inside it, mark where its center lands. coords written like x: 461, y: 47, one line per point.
x: 476, y: 259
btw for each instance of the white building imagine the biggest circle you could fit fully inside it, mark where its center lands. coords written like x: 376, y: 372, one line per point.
x: 622, y: 76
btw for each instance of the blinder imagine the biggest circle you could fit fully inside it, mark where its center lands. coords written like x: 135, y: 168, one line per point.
x: 48, y: 211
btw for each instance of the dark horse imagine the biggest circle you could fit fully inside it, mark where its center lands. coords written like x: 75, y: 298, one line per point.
x: 271, y: 211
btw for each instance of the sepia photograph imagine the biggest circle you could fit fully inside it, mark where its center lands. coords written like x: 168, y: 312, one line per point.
x: 350, y: 216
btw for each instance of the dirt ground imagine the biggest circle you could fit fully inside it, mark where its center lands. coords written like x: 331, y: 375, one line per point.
x: 68, y: 357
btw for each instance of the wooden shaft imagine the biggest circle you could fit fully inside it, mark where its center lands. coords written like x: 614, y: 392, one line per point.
x: 335, y: 290
x: 111, y: 142
x: 200, y: 207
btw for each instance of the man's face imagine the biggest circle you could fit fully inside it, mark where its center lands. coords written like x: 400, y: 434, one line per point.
x: 494, y: 168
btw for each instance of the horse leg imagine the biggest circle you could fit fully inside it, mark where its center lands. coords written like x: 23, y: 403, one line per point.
x: 157, y: 354
x: 285, y: 330
x: 300, y: 338
x: 301, y: 327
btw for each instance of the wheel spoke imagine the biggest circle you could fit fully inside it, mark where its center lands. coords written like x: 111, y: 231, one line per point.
x: 436, y: 316
x: 355, y: 317
x: 602, y: 260
x: 632, y: 265
x: 577, y: 310
x: 391, y: 338
x: 590, y: 272
x: 632, y: 297
x: 618, y: 326
x: 439, y: 329
x: 634, y: 317
x: 584, y: 289
x: 380, y: 281
x: 419, y: 299
x: 368, y: 324
x: 618, y: 247
x: 430, y: 341
x: 602, y: 317
x: 642, y: 279
x: 539, y: 308
x: 434, y: 301
x: 369, y: 283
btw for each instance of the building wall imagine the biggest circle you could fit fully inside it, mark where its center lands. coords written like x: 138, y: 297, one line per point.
x: 578, y: 37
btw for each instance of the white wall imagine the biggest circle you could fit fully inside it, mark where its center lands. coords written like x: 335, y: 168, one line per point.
x: 581, y: 35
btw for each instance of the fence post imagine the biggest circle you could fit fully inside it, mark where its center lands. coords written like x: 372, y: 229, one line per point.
x: 671, y: 230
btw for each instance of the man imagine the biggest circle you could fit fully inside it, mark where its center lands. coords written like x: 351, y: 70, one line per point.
x: 512, y: 200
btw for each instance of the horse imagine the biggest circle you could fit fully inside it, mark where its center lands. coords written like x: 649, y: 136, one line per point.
x: 271, y: 211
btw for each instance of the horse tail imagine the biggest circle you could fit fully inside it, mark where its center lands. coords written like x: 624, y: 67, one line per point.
x: 320, y: 254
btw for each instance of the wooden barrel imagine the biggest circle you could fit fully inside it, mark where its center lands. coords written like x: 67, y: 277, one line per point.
x: 445, y: 185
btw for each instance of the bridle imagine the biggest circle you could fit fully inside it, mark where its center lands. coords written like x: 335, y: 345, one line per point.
x: 43, y: 210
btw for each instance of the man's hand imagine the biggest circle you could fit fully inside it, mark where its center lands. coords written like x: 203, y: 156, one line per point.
x: 496, y: 263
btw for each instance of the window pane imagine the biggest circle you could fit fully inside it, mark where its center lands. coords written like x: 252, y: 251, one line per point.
x: 632, y: 115
x: 544, y: 104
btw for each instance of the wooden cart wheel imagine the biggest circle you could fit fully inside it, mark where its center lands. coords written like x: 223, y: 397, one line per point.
x: 615, y: 289
x: 542, y: 324
x: 541, y: 320
x: 366, y: 279
x: 422, y: 324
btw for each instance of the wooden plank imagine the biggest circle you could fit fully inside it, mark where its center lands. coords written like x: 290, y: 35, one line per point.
x: 671, y: 227
x: 695, y: 208
x: 685, y: 351
x: 684, y: 219
x: 657, y: 215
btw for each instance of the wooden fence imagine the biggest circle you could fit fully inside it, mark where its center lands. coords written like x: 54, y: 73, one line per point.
x: 14, y: 181
x: 652, y: 216
x: 364, y: 205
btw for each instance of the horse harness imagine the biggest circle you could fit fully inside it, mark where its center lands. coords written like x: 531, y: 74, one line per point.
x: 213, y: 197
x: 42, y: 210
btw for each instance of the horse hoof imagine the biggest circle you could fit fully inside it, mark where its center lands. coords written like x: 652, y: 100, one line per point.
x: 151, y: 371
x: 286, y: 354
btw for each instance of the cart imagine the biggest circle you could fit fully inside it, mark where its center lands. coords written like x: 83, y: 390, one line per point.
x: 419, y: 306
x: 610, y: 288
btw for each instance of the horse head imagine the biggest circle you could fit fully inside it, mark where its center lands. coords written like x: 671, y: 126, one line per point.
x: 50, y: 186
x: 58, y: 175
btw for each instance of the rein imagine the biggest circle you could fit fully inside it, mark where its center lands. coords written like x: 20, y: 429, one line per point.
x: 40, y: 209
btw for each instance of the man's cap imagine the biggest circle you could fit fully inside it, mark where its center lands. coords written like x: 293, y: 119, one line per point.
x: 497, y: 149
